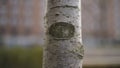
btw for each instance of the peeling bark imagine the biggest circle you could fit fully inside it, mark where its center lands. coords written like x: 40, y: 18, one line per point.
x: 63, y: 47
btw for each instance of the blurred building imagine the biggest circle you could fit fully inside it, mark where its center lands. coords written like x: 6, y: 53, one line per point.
x: 20, y: 21
x: 100, y: 20
x: 101, y: 33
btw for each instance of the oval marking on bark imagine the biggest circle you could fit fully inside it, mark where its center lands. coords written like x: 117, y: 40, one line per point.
x: 61, y: 30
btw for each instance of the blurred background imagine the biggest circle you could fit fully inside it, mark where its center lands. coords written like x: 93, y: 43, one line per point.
x: 101, y: 33
x: 22, y: 33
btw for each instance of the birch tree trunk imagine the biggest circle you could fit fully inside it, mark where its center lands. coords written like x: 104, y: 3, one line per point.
x: 63, y: 47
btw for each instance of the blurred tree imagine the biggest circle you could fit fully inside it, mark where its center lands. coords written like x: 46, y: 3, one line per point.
x: 2, y: 32
x: 3, y: 2
x: 64, y: 47
x: 1, y: 40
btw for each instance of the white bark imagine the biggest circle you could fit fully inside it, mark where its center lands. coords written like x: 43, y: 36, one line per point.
x: 64, y: 47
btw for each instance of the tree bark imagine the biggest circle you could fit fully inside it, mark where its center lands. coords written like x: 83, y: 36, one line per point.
x: 63, y: 47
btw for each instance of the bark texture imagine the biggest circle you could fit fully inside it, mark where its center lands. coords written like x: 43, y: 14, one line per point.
x: 63, y: 47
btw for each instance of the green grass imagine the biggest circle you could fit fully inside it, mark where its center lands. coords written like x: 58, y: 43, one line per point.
x: 19, y: 57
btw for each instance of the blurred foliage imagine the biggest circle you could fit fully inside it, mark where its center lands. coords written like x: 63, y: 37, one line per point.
x: 19, y: 57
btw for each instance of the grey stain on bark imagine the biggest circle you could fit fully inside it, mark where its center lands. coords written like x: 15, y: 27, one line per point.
x: 61, y: 30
